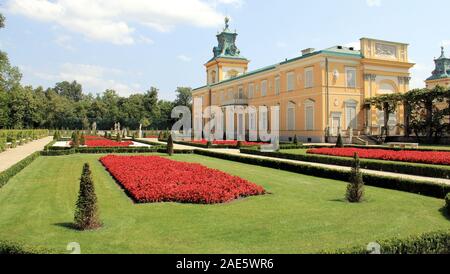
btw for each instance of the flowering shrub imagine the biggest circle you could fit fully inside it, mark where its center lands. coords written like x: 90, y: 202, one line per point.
x: 98, y: 141
x: 157, y: 179
x: 229, y: 143
x: 425, y: 157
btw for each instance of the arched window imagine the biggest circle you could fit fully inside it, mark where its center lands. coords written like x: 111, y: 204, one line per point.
x: 291, y: 116
x: 213, y: 77
x: 309, y: 114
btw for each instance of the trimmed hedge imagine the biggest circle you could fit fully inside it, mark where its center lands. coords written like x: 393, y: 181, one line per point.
x: 10, y: 172
x: 8, y: 247
x: 434, y: 171
x: 105, y: 150
x: 428, y: 243
x: 419, y: 187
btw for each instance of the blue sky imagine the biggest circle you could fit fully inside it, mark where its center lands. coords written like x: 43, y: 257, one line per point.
x: 130, y: 45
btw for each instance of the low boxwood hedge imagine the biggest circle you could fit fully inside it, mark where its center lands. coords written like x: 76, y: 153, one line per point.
x: 435, y: 171
x: 105, y: 150
x: 428, y: 243
x: 13, y: 170
x: 396, y: 183
x: 10, y: 248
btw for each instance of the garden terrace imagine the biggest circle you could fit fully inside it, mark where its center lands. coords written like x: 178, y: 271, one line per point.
x: 303, y: 214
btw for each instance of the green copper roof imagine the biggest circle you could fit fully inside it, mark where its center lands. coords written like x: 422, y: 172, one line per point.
x: 226, y: 47
x: 442, y: 69
x: 335, y: 51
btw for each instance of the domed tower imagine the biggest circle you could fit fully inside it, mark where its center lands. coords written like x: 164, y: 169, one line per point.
x: 227, y: 61
x: 441, y: 74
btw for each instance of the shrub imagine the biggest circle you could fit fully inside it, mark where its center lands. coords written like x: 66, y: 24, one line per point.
x: 82, y: 139
x: 86, y: 213
x: 429, y: 243
x: 118, y: 137
x: 339, y: 142
x: 355, y: 188
x: 106, y: 134
x: 239, y: 144
x: 170, y: 145
x: 447, y: 204
x: 14, y: 248
x: 295, y: 141
x: 208, y: 144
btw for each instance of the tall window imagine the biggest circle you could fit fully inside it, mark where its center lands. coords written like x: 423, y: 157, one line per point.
x: 309, y: 78
x: 350, y: 74
x: 277, y: 85
x: 309, y: 115
x: 290, y: 81
x: 251, y: 90
x: 291, y: 116
x: 264, y: 88
x: 240, y: 92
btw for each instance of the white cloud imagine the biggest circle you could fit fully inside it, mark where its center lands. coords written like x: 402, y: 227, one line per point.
x: 445, y: 43
x: 373, y: 3
x: 145, y: 40
x: 112, y: 20
x: 235, y: 3
x: 93, y: 78
x: 184, y: 58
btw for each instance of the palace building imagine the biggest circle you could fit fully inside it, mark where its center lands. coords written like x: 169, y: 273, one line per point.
x: 320, y: 93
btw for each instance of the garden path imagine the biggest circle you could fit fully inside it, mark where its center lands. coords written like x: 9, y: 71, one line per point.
x: 335, y: 167
x: 12, y: 156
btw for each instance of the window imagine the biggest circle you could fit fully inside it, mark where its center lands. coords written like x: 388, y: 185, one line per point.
x: 350, y: 114
x: 309, y: 115
x: 264, y: 88
x: 251, y: 90
x: 277, y: 85
x: 230, y: 94
x: 350, y: 74
x: 240, y: 92
x: 309, y: 78
x: 290, y: 81
x: 291, y: 116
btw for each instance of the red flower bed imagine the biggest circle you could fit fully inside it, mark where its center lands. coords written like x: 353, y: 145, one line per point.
x: 157, y: 179
x: 425, y: 157
x: 229, y: 143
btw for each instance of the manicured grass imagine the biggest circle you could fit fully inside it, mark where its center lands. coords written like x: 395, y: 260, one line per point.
x: 302, y: 215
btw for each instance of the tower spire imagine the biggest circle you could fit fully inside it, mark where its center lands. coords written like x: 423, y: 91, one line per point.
x: 227, y: 22
x: 442, y: 53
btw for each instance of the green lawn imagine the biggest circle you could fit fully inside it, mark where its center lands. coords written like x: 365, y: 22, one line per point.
x: 302, y: 215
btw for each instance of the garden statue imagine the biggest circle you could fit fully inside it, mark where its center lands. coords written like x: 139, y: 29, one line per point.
x: 350, y: 135
x: 94, y: 127
x: 140, y: 131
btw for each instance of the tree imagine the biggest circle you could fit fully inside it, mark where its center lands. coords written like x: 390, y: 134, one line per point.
x: 339, y: 142
x: 355, y: 188
x: 184, y: 97
x: 387, y: 103
x: 70, y: 90
x: 170, y: 145
x: 86, y: 212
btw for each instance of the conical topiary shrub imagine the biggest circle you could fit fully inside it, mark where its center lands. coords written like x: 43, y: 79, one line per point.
x: 339, y: 142
x: 170, y: 145
x: 86, y: 212
x: 355, y: 188
x: 447, y: 204
x: 295, y: 141
x: 82, y: 140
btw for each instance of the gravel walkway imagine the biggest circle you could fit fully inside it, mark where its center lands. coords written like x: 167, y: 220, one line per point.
x: 12, y: 156
x: 367, y: 171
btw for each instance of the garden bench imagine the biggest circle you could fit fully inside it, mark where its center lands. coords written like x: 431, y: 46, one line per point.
x: 403, y: 145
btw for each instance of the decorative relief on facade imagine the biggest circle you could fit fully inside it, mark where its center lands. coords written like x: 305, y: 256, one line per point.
x: 385, y: 50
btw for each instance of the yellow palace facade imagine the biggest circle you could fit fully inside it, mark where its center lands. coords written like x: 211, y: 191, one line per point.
x: 320, y: 93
